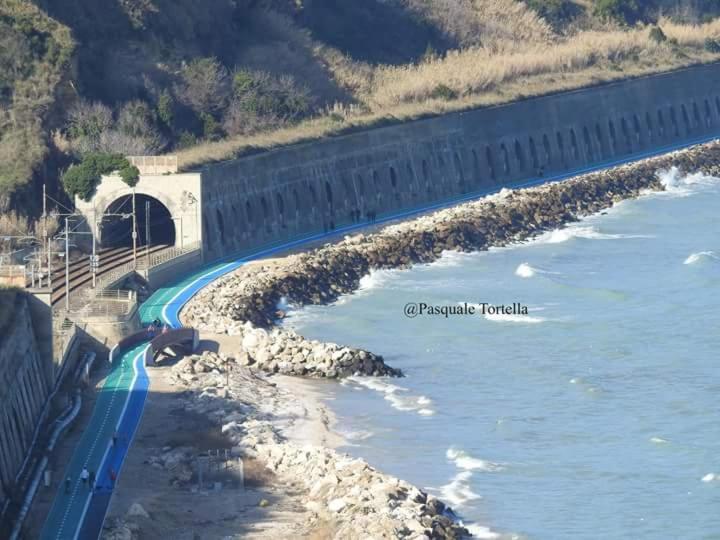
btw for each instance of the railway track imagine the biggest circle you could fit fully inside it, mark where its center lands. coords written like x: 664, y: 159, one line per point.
x: 81, y: 273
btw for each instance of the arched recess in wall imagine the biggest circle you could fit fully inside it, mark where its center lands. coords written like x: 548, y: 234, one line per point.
x: 534, y: 155
x: 360, y: 186
x: 519, y: 156
x: 600, y: 140
x: 505, y: 158
x: 686, y: 118
x: 221, y: 226
x: 460, y: 172
x: 561, y: 147
x: 696, y: 114
x: 661, y: 123
x: 636, y: 125
x: 280, y: 208
x: 626, y: 133
x: 673, y: 122
x: 348, y: 192
x: 548, y: 150
x: 708, y: 114
x: 329, y: 195
x: 266, y: 213
x: 477, y: 178
x: 490, y: 163
x: 649, y: 125
x: 588, y: 144
x: 574, y: 145
x: 613, y: 137
x: 394, y: 184
x: 411, y: 179
x: 313, y: 198
x: 248, y: 213
x: 296, y: 202
x: 209, y: 234
x: 426, y: 177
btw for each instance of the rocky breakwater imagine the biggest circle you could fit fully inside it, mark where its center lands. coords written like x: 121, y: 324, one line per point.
x: 355, y: 499
x: 246, y: 302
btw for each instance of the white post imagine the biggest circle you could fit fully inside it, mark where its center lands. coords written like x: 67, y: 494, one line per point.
x: 67, y: 264
x: 134, y: 230
x: 94, y: 248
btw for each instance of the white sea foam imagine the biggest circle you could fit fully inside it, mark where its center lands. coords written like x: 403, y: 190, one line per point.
x: 458, y: 491
x: 701, y: 256
x: 710, y: 477
x: 375, y: 279
x: 588, y: 232
x: 677, y: 185
x: 479, y: 531
x: 658, y: 440
x: 398, y: 396
x: 525, y: 270
x: 359, y: 435
x: 465, y: 461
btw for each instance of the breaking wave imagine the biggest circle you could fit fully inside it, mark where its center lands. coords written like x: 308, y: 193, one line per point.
x: 458, y: 491
x: 465, y: 461
x: 398, y: 396
x: 701, y: 256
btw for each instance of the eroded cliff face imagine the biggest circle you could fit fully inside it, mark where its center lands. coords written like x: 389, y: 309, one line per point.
x: 24, y: 390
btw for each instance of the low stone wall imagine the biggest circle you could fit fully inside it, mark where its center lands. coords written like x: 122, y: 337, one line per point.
x: 249, y: 298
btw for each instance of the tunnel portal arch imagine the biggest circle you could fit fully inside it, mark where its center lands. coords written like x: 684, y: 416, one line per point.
x: 155, y: 224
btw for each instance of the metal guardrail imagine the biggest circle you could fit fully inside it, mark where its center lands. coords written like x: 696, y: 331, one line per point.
x: 165, y: 255
x: 105, y: 280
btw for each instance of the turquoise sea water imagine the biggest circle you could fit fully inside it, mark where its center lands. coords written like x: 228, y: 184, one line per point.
x: 594, y: 416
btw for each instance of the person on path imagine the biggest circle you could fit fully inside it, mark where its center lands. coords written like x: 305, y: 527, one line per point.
x: 67, y: 486
x: 115, y: 438
x: 84, y: 475
x: 92, y: 480
x: 113, y: 477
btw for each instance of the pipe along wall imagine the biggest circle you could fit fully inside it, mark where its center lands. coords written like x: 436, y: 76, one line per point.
x: 315, y: 187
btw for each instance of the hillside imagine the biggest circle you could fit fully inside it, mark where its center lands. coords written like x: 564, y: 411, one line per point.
x: 208, y: 80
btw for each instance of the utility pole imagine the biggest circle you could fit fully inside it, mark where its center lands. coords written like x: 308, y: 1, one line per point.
x: 94, y: 261
x: 67, y: 264
x: 134, y: 230
x: 46, y: 240
x: 147, y: 232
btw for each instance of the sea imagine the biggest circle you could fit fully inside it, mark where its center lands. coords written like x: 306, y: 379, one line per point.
x: 594, y: 413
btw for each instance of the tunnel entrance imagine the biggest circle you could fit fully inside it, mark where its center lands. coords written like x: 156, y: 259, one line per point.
x: 155, y: 225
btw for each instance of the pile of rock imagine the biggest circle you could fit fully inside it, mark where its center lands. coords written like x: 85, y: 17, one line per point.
x: 360, y: 501
x: 288, y: 353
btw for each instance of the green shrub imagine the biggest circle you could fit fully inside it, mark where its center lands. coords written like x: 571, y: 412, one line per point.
x: 82, y: 179
x: 442, y: 91
x: 165, y: 109
x: 712, y: 45
x: 622, y: 11
x: 657, y: 35
x: 556, y: 12
x: 130, y: 175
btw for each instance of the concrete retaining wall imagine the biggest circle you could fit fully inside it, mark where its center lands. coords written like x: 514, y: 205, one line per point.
x: 25, y: 384
x: 319, y: 186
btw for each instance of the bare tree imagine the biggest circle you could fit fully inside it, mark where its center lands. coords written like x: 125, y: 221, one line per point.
x: 205, y: 86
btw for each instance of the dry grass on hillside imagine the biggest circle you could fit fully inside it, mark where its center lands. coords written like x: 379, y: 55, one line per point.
x: 481, y: 76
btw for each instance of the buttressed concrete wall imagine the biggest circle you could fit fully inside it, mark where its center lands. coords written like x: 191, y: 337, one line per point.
x: 25, y: 384
x: 318, y: 186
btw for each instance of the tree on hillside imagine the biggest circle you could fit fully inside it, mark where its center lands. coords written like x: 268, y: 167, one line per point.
x: 204, y: 86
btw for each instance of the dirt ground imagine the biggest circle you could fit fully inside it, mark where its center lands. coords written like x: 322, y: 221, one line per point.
x: 265, y: 508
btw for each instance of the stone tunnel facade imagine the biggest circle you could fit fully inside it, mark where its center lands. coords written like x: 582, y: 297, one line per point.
x: 310, y: 188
